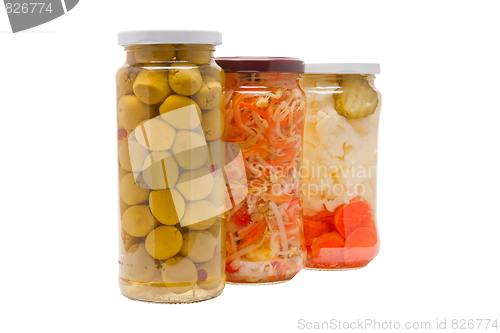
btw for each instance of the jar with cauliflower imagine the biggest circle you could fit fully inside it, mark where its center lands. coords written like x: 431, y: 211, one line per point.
x: 339, y: 165
x: 170, y: 126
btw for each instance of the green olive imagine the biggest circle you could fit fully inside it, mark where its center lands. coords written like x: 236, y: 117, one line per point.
x: 197, y: 54
x: 181, y: 112
x: 185, y: 78
x: 199, y: 246
x: 179, y: 274
x: 209, y: 95
x: 163, y: 242
x: 151, y: 53
x: 167, y: 206
x: 151, y: 86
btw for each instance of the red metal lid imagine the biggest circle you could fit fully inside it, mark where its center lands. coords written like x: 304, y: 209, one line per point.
x: 260, y: 64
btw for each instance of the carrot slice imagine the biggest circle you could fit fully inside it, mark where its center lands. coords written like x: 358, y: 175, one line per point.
x: 314, y: 229
x: 362, y: 237
x: 327, y: 241
x: 336, y: 219
x: 354, y: 215
x: 361, y: 246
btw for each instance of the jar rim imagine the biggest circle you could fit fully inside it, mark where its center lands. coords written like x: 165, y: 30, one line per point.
x: 135, y: 37
x: 262, y: 64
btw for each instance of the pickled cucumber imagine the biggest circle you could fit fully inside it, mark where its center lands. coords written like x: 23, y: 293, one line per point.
x: 160, y: 170
x: 179, y: 274
x: 131, y: 111
x: 212, y: 123
x: 190, y: 150
x: 155, y: 134
x: 181, y: 112
x: 163, y: 242
x: 138, y: 221
x: 195, y: 184
x: 357, y: 99
x: 209, y: 95
x: 167, y: 206
x: 199, y: 246
x: 151, y: 86
x: 130, y: 192
x: 199, y: 215
x: 138, y: 265
x: 185, y: 78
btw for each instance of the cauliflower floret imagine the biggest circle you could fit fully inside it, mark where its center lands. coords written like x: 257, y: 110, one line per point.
x: 338, y: 141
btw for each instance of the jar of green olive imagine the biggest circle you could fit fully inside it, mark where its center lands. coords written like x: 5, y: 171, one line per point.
x: 169, y: 119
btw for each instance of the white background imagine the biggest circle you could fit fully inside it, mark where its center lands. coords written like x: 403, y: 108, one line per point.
x: 439, y: 177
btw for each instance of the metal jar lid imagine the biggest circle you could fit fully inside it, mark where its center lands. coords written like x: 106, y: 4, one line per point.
x: 260, y: 64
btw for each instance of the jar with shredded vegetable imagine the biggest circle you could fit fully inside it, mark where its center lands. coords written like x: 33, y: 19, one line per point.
x: 264, y: 118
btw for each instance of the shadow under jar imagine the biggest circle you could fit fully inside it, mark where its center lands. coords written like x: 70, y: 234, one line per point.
x: 340, y: 165
x: 264, y: 119
x: 169, y: 113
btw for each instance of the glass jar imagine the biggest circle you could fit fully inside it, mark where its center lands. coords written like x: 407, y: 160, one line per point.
x: 264, y: 115
x: 169, y: 113
x: 339, y: 165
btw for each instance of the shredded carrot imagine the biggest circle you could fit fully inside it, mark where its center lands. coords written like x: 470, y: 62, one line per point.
x: 264, y: 125
x: 254, y: 148
x: 291, y: 226
x: 252, y: 237
x: 283, y: 198
x: 249, y: 229
x: 254, y: 108
x: 246, y: 117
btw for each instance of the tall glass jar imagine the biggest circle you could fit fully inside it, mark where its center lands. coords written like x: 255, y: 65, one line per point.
x: 170, y: 125
x: 264, y: 115
x: 339, y: 165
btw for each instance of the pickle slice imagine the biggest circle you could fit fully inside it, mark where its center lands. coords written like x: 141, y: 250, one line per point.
x: 358, y: 99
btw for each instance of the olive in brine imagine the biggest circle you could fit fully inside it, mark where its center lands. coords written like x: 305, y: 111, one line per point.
x: 185, y: 78
x: 151, y: 86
